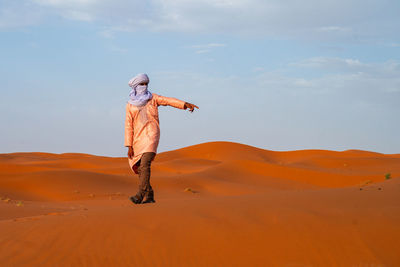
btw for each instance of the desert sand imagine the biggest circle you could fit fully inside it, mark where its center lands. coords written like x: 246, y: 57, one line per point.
x: 217, y: 204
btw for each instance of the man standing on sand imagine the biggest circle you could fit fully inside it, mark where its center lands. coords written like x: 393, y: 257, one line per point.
x: 142, y: 131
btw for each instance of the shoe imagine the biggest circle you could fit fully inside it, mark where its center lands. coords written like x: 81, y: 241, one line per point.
x: 149, y: 197
x: 136, y: 199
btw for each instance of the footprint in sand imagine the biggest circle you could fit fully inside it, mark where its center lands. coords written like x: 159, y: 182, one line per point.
x: 190, y: 190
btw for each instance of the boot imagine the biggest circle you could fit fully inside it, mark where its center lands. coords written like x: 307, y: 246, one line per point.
x: 137, y: 199
x: 149, y: 197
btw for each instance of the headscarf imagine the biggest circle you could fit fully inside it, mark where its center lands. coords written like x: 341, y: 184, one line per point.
x: 139, y: 94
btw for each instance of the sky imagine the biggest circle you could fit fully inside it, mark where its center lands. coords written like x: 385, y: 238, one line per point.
x: 278, y: 75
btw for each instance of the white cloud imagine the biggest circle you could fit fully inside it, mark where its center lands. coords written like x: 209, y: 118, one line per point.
x: 203, y: 51
x: 332, y: 64
x: 338, y: 75
x: 66, y: 3
x: 16, y: 14
x: 78, y: 15
x: 81, y: 10
x: 365, y: 80
x: 385, y: 72
x: 206, y: 48
x: 313, y: 19
x: 333, y: 29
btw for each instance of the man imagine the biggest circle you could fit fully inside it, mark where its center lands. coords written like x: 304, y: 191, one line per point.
x: 142, y: 131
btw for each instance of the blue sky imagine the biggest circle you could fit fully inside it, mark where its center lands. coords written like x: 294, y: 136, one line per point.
x: 279, y: 75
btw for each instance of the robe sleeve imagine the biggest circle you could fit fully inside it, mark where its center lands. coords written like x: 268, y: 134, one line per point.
x: 170, y: 101
x: 128, y: 127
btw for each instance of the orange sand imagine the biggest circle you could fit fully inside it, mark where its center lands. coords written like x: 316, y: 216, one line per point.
x: 245, y: 207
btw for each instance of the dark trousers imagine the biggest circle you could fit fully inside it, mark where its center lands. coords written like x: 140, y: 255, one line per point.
x: 144, y: 165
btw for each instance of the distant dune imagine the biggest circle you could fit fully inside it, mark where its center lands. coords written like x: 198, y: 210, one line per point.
x: 217, y: 204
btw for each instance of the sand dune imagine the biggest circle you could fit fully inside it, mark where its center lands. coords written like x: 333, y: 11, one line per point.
x: 246, y: 207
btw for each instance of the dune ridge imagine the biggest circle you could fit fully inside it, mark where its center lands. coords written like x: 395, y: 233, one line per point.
x: 242, y: 205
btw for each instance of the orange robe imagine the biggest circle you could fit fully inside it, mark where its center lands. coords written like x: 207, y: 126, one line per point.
x: 142, y: 126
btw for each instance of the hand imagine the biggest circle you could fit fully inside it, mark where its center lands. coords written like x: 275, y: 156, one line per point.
x: 190, y: 106
x: 130, y: 152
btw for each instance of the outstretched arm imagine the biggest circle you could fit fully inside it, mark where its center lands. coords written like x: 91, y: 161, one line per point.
x: 174, y: 102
